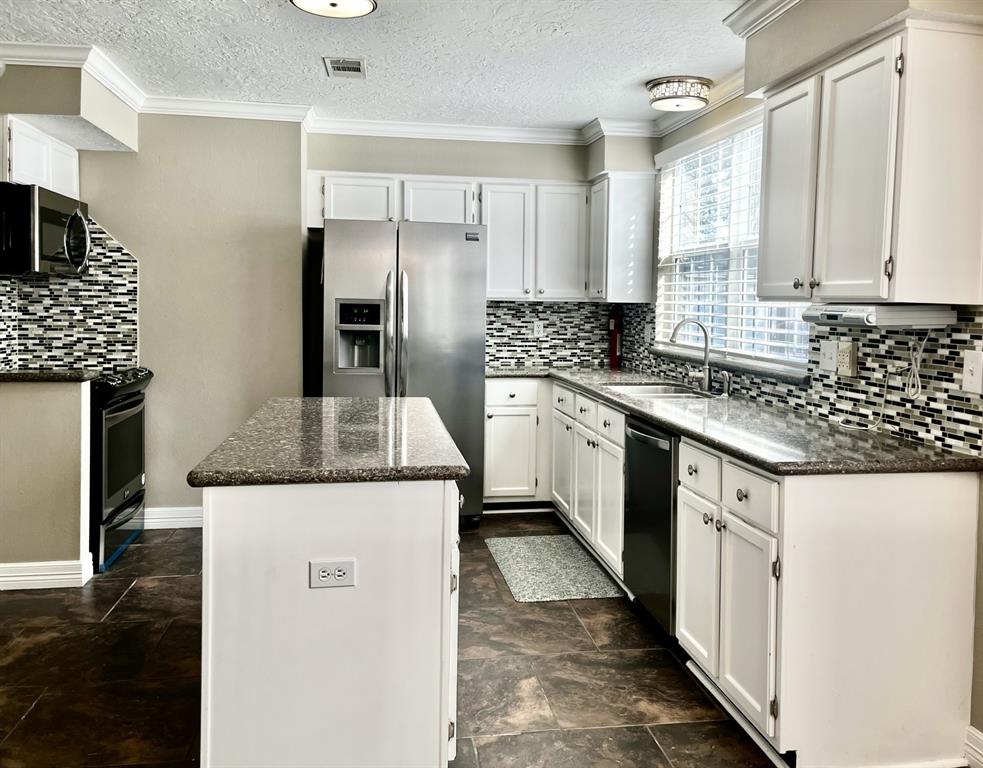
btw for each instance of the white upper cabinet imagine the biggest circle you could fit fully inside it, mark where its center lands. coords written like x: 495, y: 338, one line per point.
x: 622, y: 238
x: 857, y: 146
x: 561, y: 241
x: 449, y: 202
x: 788, y: 191
x: 896, y: 177
x: 359, y: 197
x: 37, y: 158
x: 508, y: 210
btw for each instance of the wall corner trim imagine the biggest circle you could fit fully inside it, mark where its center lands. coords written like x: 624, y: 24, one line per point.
x: 974, y: 747
x: 45, y: 574
x: 756, y: 14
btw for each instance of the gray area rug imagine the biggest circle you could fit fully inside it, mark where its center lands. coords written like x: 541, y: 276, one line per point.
x: 547, y: 568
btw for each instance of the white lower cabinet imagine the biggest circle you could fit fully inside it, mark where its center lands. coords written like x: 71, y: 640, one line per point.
x: 609, y: 517
x: 562, y: 460
x: 510, y: 451
x: 584, y: 480
x: 697, y: 578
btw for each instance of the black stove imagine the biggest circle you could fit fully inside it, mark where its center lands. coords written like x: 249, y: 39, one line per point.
x: 118, y: 480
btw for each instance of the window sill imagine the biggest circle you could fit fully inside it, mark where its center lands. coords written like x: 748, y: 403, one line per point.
x: 790, y: 373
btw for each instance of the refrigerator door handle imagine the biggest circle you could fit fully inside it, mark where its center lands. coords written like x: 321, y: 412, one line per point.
x: 390, y: 330
x: 404, y: 331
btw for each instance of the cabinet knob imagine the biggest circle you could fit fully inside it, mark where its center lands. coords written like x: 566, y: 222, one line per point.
x: 527, y: 290
x: 583, y: 410
x: 568, y: 427
x: 719, y: 524
x: 488, y: 415
x: 741, y: 494
x: 813, y: 282
x: 606, y: 423
x: 542, y: 290
x: 512, y: 394
x: 706, y: 518
x: 690, y: 470
x: 559, y: 400
x: 796, y: 283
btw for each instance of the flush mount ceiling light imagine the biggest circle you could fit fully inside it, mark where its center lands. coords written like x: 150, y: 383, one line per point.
x: 678, y: 93
x: 337, y: 9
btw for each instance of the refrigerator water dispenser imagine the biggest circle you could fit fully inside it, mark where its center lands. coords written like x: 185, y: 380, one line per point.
x: 358, y: 336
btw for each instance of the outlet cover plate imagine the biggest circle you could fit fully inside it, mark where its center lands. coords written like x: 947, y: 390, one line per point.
x: 846, y: 359
x: 973, y: 372
x: 827, y: 354
x: 538, y: 329
x: 332, y: 573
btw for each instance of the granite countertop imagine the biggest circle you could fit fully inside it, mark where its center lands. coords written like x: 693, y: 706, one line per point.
x: 778, y: 440
x: 518, y: 371
x: 47, y: 374
x: 334, y: 440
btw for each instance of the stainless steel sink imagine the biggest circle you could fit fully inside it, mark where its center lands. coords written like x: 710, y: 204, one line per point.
x: 656, y: 390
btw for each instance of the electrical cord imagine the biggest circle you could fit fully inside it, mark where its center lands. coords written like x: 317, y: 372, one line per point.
x: 912, y: 387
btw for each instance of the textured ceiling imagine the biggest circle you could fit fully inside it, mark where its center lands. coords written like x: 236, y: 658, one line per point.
x: 530, y: 63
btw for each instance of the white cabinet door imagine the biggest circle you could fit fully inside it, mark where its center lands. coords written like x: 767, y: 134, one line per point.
x: 448, y: 202
x: 510, y: 451
x: 597, y: 257
x: 37, y: 158
x: 561, y: 241
x: 508, y: 211
x: 697, y: 578
x: 562, y: 482
x: 584, y: 481
x: 748, y: 607
x: 358, y: 197
x: 64, y: 169
x: 857, y: 144
x: 609, y: 522
x: 788, y: 191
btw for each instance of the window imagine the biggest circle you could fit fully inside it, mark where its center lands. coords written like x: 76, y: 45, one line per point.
x: 708, y: 255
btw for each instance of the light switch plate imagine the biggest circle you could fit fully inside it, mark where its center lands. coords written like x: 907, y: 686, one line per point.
x: 827, y: 354
x: 846, y: 359
x: 973, y: 372
x: 332, y: 573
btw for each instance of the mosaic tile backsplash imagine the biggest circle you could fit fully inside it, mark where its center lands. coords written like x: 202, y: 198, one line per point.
x: 61, y: 321
x: 943, y: 414
x: 575, y: 334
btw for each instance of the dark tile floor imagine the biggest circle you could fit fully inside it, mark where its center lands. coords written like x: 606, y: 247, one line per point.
x: 109, y: 675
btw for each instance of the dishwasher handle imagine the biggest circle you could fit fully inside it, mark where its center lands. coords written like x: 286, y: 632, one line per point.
x: 657, y: 442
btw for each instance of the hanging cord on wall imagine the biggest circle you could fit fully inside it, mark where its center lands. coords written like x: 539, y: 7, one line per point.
x: 912, y: 388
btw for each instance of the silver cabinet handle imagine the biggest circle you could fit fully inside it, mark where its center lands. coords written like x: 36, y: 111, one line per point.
x: 742, y: 495
x: 460, y: 501
x: 511, y: 394
x: 813, y: 283
x: 606, y: 423
x: 656, y: 442
x: 526, y: 290
x: 691, y: 469
x: 706, y: 519
x: 542, y: 290
x: 796, y: 283
x: 404, y: 331
x: 390, y: 331
x: 719, y: 525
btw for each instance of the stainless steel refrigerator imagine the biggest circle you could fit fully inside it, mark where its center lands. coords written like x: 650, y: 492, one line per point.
x: 404, y: 316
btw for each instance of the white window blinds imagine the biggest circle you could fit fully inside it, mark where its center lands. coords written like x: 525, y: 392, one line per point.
x: 708, y: 255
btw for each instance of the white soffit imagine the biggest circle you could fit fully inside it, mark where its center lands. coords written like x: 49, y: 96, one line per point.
x: 756, y: 14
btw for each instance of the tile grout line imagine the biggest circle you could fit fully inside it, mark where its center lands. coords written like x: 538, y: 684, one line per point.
x: 44, y: 690
x: 661, y: 749
x: 125, y: 593
x: 579, y: 619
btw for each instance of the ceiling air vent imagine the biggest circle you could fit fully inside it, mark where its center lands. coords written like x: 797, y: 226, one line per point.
x: 345, y: 67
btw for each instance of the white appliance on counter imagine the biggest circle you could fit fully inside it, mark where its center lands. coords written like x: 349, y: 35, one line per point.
x: 896, y: 316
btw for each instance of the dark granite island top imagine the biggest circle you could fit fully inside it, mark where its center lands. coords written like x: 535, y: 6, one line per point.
x: 334, y: 440
x: 13, y: 375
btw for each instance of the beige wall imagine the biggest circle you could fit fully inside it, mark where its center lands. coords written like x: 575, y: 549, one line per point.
x: 107, y: 112
x: 373, y: 154
x: 628, y: 153
x: 40, y: 90
x: 719, y: 116
x: 42, y: 428
x: 977, y: 717
x: 211, y: 208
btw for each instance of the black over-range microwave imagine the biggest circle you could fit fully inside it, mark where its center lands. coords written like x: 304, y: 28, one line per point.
x: 42, y: 231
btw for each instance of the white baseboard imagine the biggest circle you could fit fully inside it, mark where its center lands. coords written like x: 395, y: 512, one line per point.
x: 172, y: 517
x: 45, y: 574
x: 974, y: 747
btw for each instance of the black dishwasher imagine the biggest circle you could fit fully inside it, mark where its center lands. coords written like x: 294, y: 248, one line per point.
x: 650, y: 520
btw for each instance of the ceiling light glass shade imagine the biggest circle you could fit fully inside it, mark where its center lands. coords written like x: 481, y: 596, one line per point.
x: 679, y: 94
x: 337, y: 9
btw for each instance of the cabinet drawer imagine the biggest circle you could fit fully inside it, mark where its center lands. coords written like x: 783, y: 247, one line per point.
x: 700, y: 471
x: 563, y: 400
x: 511, y: 391
x: 586, y: 411
x: 611, y: 424
x: 751, y: 496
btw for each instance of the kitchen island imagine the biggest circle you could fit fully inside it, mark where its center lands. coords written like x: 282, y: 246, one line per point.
x: 330, y: 586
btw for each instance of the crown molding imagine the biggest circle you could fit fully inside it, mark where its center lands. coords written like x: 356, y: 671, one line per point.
x: 244, y: 110
x: 607, y: 126
x: 105, y: 71
x: 44, y: 55
x: 722, y: 92
x: 754, y: 15
x: 384, y: 128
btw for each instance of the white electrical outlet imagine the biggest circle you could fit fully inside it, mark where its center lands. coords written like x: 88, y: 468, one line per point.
x: 332, y: 573
x: 649, y: 333
x: 827, y: 354
x: 538, y: 329
x: 846, y: 358
x: 973, y: 372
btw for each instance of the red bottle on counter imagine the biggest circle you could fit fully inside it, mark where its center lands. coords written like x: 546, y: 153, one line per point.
x: 615, y: 325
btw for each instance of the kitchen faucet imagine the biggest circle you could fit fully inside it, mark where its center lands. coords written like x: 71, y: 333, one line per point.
x: 705, y: 386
